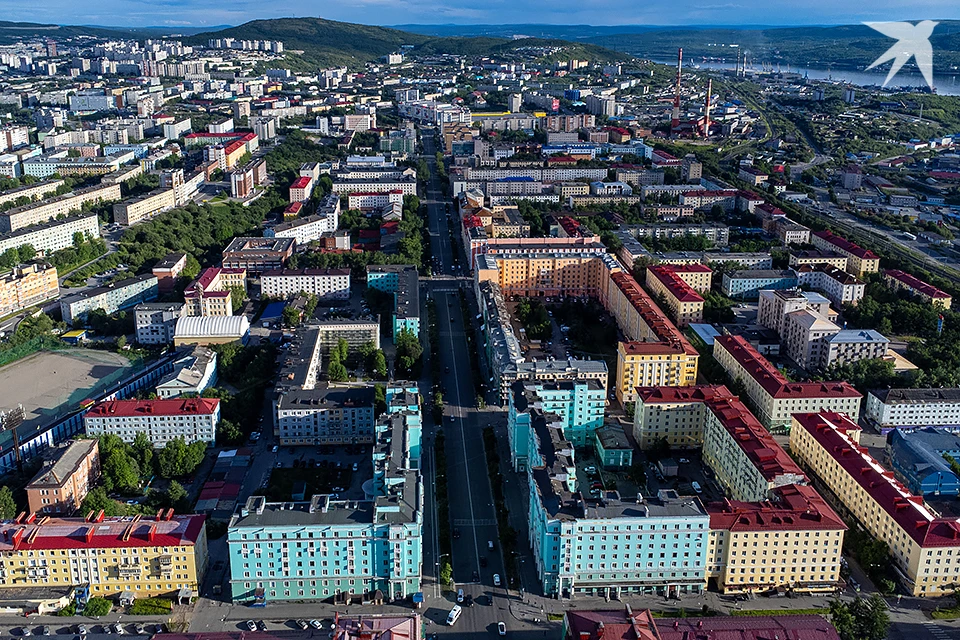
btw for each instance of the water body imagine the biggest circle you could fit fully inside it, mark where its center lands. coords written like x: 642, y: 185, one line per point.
x: 947, y: 84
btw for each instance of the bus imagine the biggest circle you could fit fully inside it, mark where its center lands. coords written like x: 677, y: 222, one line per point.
x: 909, y: 236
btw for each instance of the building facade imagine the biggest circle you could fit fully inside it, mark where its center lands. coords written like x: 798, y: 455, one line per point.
x: 26, y: 285
x: 326, y: 284
x: 110, y: 298
x: 156, y: 322
x: 193, y: 419
x: 62, y: 484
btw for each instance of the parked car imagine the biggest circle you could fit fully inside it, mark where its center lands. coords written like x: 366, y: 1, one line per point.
x: 460, y: 596
x: 251, y: 625
x: 45, y: 630
x: 82, y: 629
x: 501, y: 629
x: 24, y: 631
x: 118, y: 628
x: 262, y: 625
x: 496, y: 579
x: 696, y: 486
x: 683, y: 461
x: 138, y: 628
x: 303, y: 624
x: 316, y: 624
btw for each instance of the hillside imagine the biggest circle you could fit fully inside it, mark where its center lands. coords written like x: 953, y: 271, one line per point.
x: 11, y: 32
x: 327, y: 42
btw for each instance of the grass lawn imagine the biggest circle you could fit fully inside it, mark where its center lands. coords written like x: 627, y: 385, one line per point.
x: 317, y: 479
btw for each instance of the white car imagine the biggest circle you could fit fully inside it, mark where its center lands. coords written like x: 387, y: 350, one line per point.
x: 316, y: 624
x: 683, y: 461
x: 496, y: 579
x: 251, y: 625
x: 459, y: 596
x: 696, y: 486
x: 501, y: 629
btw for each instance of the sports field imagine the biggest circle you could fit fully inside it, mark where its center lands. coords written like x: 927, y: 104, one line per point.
x: 49, y: 383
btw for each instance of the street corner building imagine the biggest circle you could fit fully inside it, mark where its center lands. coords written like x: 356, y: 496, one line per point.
x: 103, y: 556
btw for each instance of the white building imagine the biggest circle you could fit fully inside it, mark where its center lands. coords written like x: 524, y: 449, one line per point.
x: 54, y: 235
x: 836, y: 284
x: 193, y: 373
x: 805, y: 334
x: 326, y: 284
x: 110, y: 298
x: 891, y: 408
x: 155, y: 322
x: 193, y: 419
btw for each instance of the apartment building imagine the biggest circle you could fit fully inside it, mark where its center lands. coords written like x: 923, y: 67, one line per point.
x: 194, y: 371
x: 326, y: 284
x: 307, y: 229
x: 47, y: 210
x: 788, y: 231
x: 747, y: 284
x: 301, y: 189
x: 718, y: 234
x: 893, y: 408
x: 861, y: 261
x: 257, y: 255
x: 774, y: 398
x: 309, y: 411
x: 806, y: 334
x: 211, y: 293
x: 110, y: 298
x: 813, y: 257
x: 193, y: 419
x: 836, y: 284
x: 356, y: 332
x: 64, y: 481
x: 26, y: 285
x: 168, y: 270
x: 32, y: 192
x: 925, y: 547
x: 130, y: 212
x: 373, y: 200
x: 156, y: 322
x: 902, y: 281
x: 577, y: 404
x: 850, y: 345
x: 403, y: 282
x: 155, y: 556
x: 551, y: 371
x: 45, y: 166
x: 406, y: 185
x: 53, y: 235
x: 683, y: 302
x: 675, y: 414
x: 290, y: 551
x: 775, y: 304
x: 611, y: 545
x: 792, y: 541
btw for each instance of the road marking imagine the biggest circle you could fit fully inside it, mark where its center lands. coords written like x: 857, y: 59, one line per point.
x: 463, y: 446
x: 938, y: 630
x: 474, y: 523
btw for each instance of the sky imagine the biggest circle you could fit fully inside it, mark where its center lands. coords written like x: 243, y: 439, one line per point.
x: 198, y: 13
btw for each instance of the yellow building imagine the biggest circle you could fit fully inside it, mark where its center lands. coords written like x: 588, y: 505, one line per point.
x: 27, y: 285
x: 542, y: 274
x: 815, y: 256
x: 859, y: 260
x: 147, y: 556
x: 775, y: 399
x: 924, y: 546
x: 652, y: 364
x: 211, y: 293
x: 902, y: 281
x: 792, y: 542
x: 683, y: 301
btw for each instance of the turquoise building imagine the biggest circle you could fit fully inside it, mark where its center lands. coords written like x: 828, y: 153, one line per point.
x: 606, y: 544
x: 336, y: 544
x: 578, y: 405
x: 403, y: 282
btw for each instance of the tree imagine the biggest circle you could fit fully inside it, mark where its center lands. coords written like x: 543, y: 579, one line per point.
x: 97, y: 607
x: 8, y: 506
x: 379, y: 364
x: 228, y: 433
x: 237, y: 297
x: 409, y: 349
x: 191, y: 269
x: 343, y: 348
x: 177, y: 496
x: 143, y: 452
x: 861, y: 619
x: 178, y: 459
x: 336, y: 371
x: 98, y: 500
x: 291, y: 316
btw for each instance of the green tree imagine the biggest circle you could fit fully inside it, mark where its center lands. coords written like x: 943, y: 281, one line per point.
x: 228, y: 433
x: 178, y: 459
x: 861, y: 619
x: 191, y: 269
x: 177, y: 496
x: 291, y: 316
x: 379, y: 364
x: 237, y: 297
x: 336, y: 370
x: 143, y: 452
x: 97, y: 607
x: 343, y: 348
x: 98, y: 500
x: 8, y: 506
x: 409, y: 349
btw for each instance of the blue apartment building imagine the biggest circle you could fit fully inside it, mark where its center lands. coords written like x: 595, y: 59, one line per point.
x: 746, y: 284
x: 608, y: 544
x: 403, y: 282
x: 578, y: 405
x: 340, y: 544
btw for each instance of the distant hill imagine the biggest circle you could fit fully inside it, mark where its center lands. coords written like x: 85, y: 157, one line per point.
x: 11, y: 32
x: 327, y: 42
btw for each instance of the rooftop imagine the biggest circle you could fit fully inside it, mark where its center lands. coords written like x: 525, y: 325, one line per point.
x: 793, y: 507
x: 845, y: 245
x: 907, y: 510
x: 916, y: 284
x: 164, y: 530
x: 169, y: 407
x: 858, y: 335
x: 917, y: 396
x: 677, y: 287
x: 65, y: 465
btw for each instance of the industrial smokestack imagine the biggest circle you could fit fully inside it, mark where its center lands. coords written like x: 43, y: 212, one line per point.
x: 675, y: 118
x: 706, y: 109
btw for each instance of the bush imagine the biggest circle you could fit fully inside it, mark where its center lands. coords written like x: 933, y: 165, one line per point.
x: 96, y: 607
x: 151, y: 607
x: 69, y: 610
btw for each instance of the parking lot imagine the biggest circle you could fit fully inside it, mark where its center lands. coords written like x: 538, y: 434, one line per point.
x: 337, y: 469
x: 84, y: 630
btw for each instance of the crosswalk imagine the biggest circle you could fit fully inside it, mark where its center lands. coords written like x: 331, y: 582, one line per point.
x: 474, y: 523
x: 940, y: 632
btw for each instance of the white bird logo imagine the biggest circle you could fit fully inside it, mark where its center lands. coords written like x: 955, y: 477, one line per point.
x: 912, y: 40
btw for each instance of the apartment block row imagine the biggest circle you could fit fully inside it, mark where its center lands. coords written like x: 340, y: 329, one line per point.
x: 110, y: 298
x: 680, y: 287
x: 47, y: 210
x: 924, y: 546
x: 193, y: 419
x: 26, y: 285
x: 53, y: 235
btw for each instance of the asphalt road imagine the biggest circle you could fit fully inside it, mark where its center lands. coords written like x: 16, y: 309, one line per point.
x: 471, y: 499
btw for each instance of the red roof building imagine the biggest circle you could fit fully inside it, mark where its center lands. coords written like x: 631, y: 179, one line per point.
x: 897, y: 279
